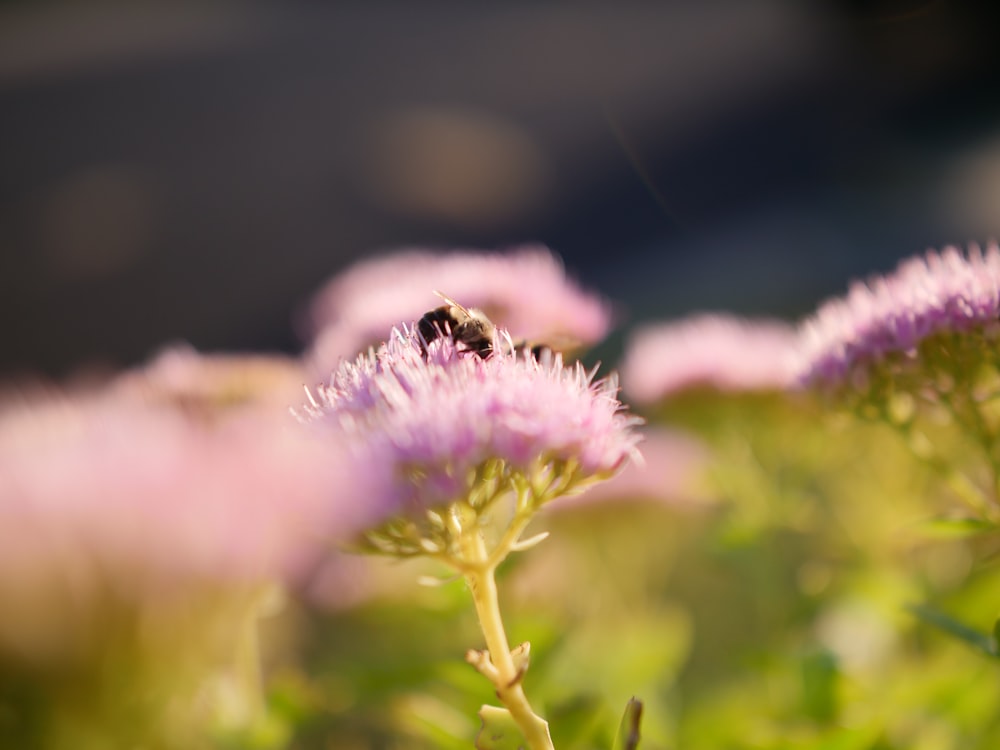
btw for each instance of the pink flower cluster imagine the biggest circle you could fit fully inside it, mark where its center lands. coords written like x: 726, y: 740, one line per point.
x: 182, y: 377
x: 105, y: 489
x: 440, y: 417
x: 946, y: 291
x: 712, y: 350
x: 524, y: 290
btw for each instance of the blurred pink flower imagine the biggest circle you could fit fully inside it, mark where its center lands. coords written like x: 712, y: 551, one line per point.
x: 145, y: 498
x: 711, y: 350
x: 439, y: 419
x: 672, y: 470
x: 184, y: 378
x: 893, y: 314
x: 524, y: 290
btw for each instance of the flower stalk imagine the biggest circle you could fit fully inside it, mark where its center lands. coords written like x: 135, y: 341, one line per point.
x: 475, y: 446
x: 478, y: 565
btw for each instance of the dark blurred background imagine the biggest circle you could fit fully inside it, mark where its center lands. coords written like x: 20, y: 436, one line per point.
x: 193, y: 171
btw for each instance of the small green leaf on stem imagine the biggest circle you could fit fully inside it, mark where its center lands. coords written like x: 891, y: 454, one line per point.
x: 956, y: 528
x: 521, y: 655
x: 628, y: 730
x: 971, y: 637
x: 499, y: 731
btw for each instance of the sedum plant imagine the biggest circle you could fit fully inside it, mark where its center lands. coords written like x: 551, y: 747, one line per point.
x: 475, y: 446
x: 916, y: 349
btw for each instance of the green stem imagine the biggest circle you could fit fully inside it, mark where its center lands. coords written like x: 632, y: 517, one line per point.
x: 248, y: 663
x: 479, y: 568
x: 510, y: 537
x: 965, y: 489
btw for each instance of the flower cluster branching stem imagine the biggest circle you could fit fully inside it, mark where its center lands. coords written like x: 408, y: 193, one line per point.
x: 959, y: 482
x: 478, y: 566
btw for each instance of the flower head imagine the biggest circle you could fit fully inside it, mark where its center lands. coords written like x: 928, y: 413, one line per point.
x: 524, y: 290
x: 454, y: 427
x: 152, y: 498
x: 210, y: 384
x: 891, y: 316
x: 715, y: 351
x: 139, y: 546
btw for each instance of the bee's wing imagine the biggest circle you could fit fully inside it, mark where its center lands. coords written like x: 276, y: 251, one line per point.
x: 452, y: 302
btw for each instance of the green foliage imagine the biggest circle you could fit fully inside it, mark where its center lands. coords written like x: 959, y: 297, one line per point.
x: 986, y: 643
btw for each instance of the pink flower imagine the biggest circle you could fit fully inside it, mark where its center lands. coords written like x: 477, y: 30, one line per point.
x: 524, y: 290
x: 891, y: 315
x: 182, y: 377
x: 440, y: 420
x: 145, y: 498
x: 672, y: 471
x: 714, y: 351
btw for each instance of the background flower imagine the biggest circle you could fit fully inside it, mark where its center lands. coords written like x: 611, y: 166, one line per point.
x: 102, y: 492
x: 891, y: 315
x: 209, y: 384
x: 712, y: 350
x: 139, y: 547
x: 672, y: 471
x: 524, y: 290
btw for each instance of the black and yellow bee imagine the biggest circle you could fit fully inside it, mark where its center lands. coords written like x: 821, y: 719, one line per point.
x: 469, y: 328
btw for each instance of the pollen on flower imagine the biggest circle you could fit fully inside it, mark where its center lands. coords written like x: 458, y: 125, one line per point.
x: 457, y: 428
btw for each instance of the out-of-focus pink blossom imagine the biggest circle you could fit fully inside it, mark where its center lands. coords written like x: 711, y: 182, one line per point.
x: 184, y: 378
x: 439, y: 418
x: 524, y: 290
x: 672, y: 470
x: 142, y: 498
x: 711, y: 350
x: 892, y: 314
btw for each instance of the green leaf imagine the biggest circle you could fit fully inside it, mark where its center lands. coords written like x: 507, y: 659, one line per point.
x: 820, y: 676
x: 956, y: 528
x: 576, y: 721
x: 628, y: 730
x: 499, y: 732
x: 971, y: 637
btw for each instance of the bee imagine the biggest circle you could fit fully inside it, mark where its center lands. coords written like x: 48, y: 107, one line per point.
x: 469, y: 328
